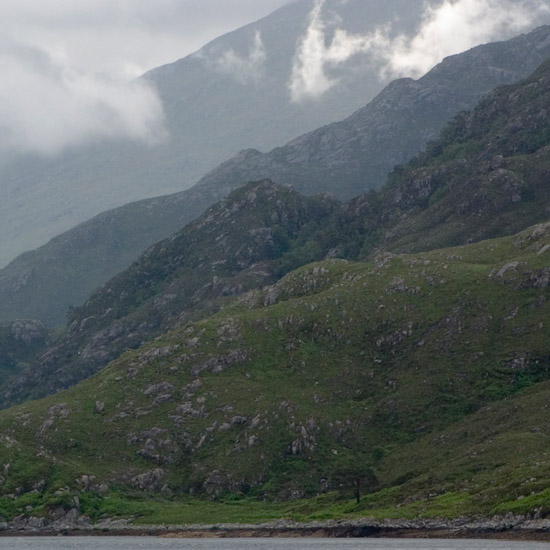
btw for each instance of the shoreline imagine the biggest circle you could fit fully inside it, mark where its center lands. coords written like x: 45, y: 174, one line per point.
x: 510, y: 528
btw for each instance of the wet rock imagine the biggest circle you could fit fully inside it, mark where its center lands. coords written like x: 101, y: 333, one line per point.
x: 39, y: 486
x: 153, y: 432
x: 215, y: 484
x: 165, y: 398
x: 157, y: 353
x: 188, y: 410
x: 238, y: 420
x: 148, y: 455
x: 55, y: 412
x: 219, y: 363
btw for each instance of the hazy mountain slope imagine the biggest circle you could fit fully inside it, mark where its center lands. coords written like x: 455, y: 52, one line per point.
x: 350, y: 157
x: 44, y: 283
x: 232, y: 247
x: 213, y: 109
x: 406, y: 366
x: 343, y: 158
x: 20, y: 343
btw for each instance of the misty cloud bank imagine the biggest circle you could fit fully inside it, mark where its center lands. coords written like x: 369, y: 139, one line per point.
x: 69, y: 66
x: 309, y: 75
x: 453, y: 27
x: 46, y: 107
x: 448, y: 27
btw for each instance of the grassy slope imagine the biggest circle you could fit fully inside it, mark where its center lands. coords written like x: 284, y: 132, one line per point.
x: 430, y: 369
x: 236, y: 245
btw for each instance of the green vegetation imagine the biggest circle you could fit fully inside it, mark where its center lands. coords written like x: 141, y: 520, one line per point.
x: 415, y: 379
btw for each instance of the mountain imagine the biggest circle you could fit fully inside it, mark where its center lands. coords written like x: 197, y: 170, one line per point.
x: 424, y: 376
x: 231, y: 94
x: 350, y: 157
x: 417, y: 380
x: 344, y: 158
x: 20, y: 343
x: 484, y: 177
x: 44, y: 283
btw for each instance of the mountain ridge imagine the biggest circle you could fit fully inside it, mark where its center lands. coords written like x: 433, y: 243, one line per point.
x: 415, y: 381
x: 234, y: 246
x: 460, y: 190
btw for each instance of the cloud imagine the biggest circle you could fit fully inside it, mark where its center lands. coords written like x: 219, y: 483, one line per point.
x: 451, y: 27
x: 447, y: 27
x: 244, y: 68
x: 46, y: 107
x: 313, y: 56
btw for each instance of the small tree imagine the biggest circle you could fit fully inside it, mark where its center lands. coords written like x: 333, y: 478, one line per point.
x: 356, y: 473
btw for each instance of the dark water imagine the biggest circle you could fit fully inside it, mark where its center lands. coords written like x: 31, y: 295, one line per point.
x: 150, y: 543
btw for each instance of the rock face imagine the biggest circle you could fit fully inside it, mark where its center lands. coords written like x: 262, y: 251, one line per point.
x: 27, y: 332
x: 345, y: 158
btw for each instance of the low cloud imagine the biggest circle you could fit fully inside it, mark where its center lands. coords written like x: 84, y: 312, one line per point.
x: 244, y: 68
x: 313, y: 57
x: 448, y: 27
x: 46, y: 107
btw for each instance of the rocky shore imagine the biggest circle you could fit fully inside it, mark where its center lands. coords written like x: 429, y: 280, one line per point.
x: 508, y: 527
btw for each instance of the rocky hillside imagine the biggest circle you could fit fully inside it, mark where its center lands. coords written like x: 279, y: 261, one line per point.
x: 350, y: 157
x: 429, y: 371
x: 486, y: 176
x: 243, y: 242
x: 344, y: 158
x: 44, y: 283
